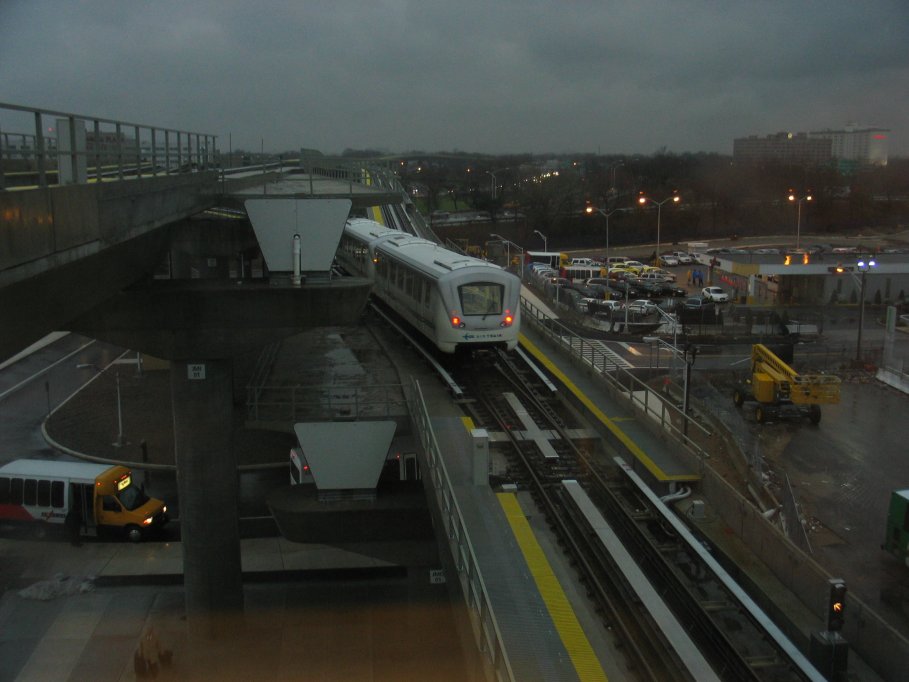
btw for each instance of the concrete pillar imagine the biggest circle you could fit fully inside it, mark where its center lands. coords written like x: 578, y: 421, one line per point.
x: 208, y: 486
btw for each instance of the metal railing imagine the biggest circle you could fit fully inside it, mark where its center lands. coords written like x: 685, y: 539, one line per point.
x: 486, y: 627
x: 75, y: 147
x: 621, y: 382
x: 322, y: 170
x: 296, y: 403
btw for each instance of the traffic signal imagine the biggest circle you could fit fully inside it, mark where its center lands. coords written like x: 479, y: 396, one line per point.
x: 836, y: 605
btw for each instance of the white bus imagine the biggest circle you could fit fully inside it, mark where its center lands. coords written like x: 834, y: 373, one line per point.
x: 83, y: 495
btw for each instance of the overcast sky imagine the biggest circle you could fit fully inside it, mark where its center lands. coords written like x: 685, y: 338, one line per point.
x: 621, y: 76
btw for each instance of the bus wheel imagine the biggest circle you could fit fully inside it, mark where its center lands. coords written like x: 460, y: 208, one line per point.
x: 738, y: 398
x: 814, y: 414
x: 134, y: 533
x: 759, y: 415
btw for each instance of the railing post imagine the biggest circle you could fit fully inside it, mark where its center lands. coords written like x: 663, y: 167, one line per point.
x: 138, y: 154
x: 166, y: 152
x: 39, y: 150
x: 97, y: 143
x: 154, y: 152
x: 4, y: 142
x: 119, y: 153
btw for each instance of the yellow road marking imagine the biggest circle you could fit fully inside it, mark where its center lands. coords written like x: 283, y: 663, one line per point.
x: 585, y: 661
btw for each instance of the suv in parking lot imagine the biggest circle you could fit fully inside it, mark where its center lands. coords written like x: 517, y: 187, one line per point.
x: 715, y: 294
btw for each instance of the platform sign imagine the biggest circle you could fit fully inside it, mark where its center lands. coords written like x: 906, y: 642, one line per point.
x: 436, y: 576
x: 195, y: 371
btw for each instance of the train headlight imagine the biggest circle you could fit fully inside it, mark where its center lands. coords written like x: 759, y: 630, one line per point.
x: 457, y: 322
x: 509, y: 319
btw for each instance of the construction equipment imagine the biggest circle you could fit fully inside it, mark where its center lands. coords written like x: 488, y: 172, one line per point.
x: 781, y: 392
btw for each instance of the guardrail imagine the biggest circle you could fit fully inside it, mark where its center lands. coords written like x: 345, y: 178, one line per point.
x: 295, y: 403
x: 74, y: 147
x: 620, y: 381
x: 486, y: 628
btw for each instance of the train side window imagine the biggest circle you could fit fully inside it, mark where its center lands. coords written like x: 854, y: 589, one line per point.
x: 43, y: 493
x: 15, y: 491
x: 57, y: 494
x: 4, y: 490
x: 30, y: 492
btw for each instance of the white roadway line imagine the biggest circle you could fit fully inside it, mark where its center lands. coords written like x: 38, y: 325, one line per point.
x: 73, y: 394
x: 35, y: 347
x: 46, y: 369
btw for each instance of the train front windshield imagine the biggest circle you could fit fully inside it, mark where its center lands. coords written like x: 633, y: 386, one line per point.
x: 482, y: 298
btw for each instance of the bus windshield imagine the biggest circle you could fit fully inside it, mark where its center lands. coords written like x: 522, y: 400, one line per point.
x: 481, y: 298
x: 132, y: 497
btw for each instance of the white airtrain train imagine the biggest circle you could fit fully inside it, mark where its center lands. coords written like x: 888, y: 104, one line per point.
x: 456, y: 301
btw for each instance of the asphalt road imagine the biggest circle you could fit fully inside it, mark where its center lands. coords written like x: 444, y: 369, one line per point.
x: 41, y: 381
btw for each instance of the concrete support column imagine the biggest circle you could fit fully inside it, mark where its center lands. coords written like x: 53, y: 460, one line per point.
x: 208, y: 486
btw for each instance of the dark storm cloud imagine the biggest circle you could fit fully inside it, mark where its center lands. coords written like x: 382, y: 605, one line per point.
x: 510, y: 76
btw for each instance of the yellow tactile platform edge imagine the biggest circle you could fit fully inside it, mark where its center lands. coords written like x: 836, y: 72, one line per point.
x: 632, y: 447
x: 583, y: 658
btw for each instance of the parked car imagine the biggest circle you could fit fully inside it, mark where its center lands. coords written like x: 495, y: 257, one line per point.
x: 684, y: 257
x: 625, y: 289
x: 642, y: 306
x: 633, y: 265
x: 715, y: 294
x: 666, y: 275
x: 605, y: 307
x: 652, y: 277
x: 696, y: 303
x: 588, y: 292
x: 668, y: 260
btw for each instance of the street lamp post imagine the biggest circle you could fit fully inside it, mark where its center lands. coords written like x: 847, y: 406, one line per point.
x: 864, y: 266
x: 543, y: 236
x: 612, y: 168
x: 508, y: 244
x: 591, y: 209
x: 675, y: 198
x: 493, y: 176
x: 798, y: 220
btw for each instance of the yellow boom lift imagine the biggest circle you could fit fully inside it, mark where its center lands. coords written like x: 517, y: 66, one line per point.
x: 782, y: 392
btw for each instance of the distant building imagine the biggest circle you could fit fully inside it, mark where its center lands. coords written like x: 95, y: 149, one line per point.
x: 863, y: 146
x: 795, y: 148
x: 850, y: 146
